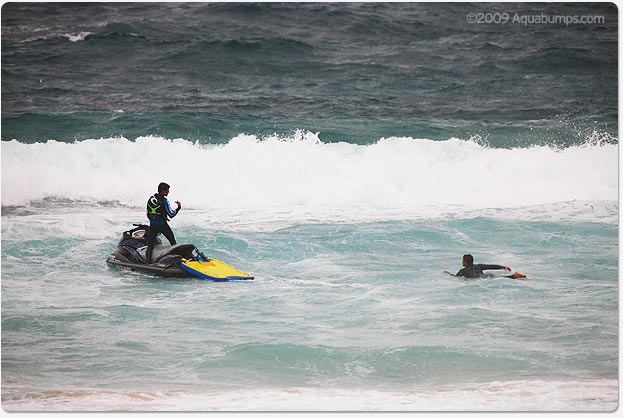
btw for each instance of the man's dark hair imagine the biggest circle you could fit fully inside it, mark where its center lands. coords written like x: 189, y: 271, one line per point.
x: 162, y: 187
x: 469, y: 259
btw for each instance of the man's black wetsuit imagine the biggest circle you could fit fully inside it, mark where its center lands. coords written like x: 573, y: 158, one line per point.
x: 158, y: 212
x: 476, y: 270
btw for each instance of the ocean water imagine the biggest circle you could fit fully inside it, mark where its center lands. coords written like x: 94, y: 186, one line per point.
x: 344, y: 155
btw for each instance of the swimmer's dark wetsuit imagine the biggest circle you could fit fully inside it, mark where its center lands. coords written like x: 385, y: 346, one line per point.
x: 476, y: 270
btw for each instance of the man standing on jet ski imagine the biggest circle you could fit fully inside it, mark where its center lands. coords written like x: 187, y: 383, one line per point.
x: 158, y: 212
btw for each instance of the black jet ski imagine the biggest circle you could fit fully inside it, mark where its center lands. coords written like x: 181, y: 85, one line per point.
x: 179, y: 260
x: 165, y: 259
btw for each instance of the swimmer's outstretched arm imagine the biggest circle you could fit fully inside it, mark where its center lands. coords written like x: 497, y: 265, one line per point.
x: 493, y: 267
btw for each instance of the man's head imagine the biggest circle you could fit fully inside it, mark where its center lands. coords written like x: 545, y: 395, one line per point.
x: 468, y: 260
x: 163, y: 189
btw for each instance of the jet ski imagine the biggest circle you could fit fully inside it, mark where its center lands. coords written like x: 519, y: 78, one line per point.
x: 179, y: 260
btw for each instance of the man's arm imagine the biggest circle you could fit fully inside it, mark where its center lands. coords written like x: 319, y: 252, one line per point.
x: 170, y: 211
x: 493, y: 267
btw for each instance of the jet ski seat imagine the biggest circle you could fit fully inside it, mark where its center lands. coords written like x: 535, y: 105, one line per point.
x: 160, y: 251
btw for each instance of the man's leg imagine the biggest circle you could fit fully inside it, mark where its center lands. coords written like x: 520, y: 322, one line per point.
x: 166, y: 231
x: 151, y: 241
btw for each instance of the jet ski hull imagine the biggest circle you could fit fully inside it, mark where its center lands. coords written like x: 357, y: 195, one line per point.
x: 158, y: 270
x: 131, y: 254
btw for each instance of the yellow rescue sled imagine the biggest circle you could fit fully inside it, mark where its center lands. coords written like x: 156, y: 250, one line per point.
x: 211, y: 269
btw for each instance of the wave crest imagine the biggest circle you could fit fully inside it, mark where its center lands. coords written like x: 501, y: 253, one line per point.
x: 251, y: 172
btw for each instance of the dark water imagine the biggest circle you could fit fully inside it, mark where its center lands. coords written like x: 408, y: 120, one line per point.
x: 353, y: 72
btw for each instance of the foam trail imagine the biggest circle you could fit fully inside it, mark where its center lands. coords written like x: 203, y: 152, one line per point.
x: 251, y: 173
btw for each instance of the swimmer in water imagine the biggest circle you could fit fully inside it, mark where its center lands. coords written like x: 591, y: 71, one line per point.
x: 474, y: 271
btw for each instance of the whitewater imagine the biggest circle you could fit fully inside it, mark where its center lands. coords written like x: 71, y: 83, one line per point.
x: 301, y: 173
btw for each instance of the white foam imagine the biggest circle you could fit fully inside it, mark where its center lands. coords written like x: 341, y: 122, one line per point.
x: 302, y: 176
x: 523, y: 395
x: 76, y: 37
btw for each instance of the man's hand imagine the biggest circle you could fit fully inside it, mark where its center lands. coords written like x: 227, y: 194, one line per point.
x: 507, y: 268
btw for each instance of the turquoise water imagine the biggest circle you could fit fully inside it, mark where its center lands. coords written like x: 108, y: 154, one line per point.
x: 342, y: 154
x: 335, y: 306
